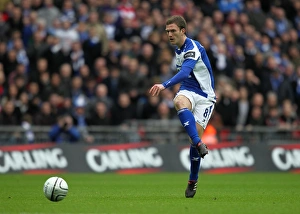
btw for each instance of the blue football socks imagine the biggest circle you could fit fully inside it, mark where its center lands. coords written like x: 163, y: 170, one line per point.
x: 195, y: 164
x: 188, y: 122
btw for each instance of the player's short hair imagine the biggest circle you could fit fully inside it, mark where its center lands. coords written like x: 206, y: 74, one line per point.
x: 178, y: 20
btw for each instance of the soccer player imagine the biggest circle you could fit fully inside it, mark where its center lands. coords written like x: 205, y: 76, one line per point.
x: 196, y: 98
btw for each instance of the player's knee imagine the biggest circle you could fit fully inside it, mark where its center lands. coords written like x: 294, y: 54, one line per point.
x: 178, y: 104
x: 181, y: 102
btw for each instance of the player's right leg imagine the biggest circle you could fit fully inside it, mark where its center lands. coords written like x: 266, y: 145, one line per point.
x: 184, y: 102
x: 183, y: 105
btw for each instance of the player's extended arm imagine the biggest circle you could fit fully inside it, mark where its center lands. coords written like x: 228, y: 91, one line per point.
x: 183, y: 74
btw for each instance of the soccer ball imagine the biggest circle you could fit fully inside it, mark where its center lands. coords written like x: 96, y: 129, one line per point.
x: 55, y: 189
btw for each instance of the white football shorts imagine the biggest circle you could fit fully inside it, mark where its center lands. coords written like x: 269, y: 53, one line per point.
x: 202, y: 107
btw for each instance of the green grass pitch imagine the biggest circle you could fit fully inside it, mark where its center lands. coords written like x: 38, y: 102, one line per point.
x: 155, y: 193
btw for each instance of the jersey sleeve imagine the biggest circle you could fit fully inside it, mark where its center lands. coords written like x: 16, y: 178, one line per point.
x: 184, y: 73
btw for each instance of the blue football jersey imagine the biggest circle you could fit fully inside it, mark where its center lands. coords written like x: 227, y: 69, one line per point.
x: 201, y: 81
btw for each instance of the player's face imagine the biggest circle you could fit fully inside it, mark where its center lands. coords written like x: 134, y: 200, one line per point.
x: 175, y: 34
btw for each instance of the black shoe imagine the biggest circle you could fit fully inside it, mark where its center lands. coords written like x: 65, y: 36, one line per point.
x: 202, y: 149
x: 191, y: 189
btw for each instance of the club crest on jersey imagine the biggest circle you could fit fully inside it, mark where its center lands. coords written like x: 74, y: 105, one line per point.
x: 190, y: 54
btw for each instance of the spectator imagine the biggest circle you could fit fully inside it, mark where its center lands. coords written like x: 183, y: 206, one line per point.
x: 11, y: 94
x: 36, y: 50
x: 27, y: 30
x: 26, y: 7
x: 271, y: 101
x: 218, y: 19
x: 98, y: 32
x: 23, y: 103
x: 239, y: 77
x: 19, y: 72
x: 255, y: 13
x: 258, y: 65
x: 113, y: 54
x: 3, y: 53
x: 208, y: 7
x: 55, y: 55
x: 55, y: 26
x: 250, y: 51
x: 223, y: 62
x: 281, y: 22
x: 113, y: 83
x: 67, y: 35
x: 257, y: 100
x: 15, y: 19
x: 2, y: 82
x: 66, y: 106
x: 80, y: 119
x: 65, y: 73
x: 100, y: 69
x: 296, y: 89
x: 288, y: 118
x: 136, y: 45
x: 64, y: 130
x: 68, y: 12
x: 165, y: 71
x: 82, y: 30
x: 227, y: 107
x: 294, y: 55
x: 41, y: 67
x: 56, y: 101
x: 4, y: 27
x: 76, y: 89
x: 10, y: 62
x: 147, y: 57
x: 243, y: 108
x: 148, y: 108
x: 77, y: 57
x: 123, y: 110
x: 39, y: 26
x: 270, y: 28
x: 100, y: 115
x: 252, y: 82
x: 82, y: 13
x: 132, y: 82
x: 101, y: 94
x: 92, y: 47
x: 10, y: 115
x: 272, y: 117
x: 20, y: 82
x: 109, y: 23
x: 48, y: 12
x: 126, y: 30
x: 45, y: 116
x: 26, y: 125
x: 163, y: 112
x: 281, y: 86
x: 256, y: 117
x: 49, y: 85
x: 89, y: 86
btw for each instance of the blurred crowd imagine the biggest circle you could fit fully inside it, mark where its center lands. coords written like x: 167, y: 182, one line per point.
x: 70, y: 64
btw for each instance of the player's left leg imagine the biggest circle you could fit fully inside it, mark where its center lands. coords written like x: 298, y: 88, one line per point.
x: 194, y: 170
x: 195, y: 161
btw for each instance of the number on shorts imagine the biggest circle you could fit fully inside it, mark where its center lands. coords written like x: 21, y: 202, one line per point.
x: 207, y: 111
